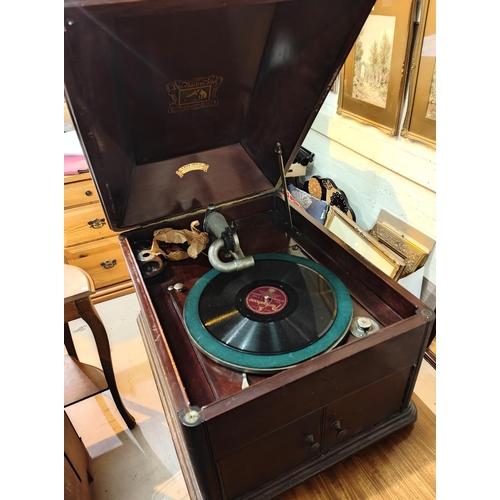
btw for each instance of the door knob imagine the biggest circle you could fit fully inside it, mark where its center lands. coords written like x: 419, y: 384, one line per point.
x: 310, y: 440
x: 336, y: 427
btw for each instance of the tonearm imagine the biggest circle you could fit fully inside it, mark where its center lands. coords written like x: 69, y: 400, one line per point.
x: 226, y: 237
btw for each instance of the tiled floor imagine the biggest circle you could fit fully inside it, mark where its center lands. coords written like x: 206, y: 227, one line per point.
x: 141, y: 464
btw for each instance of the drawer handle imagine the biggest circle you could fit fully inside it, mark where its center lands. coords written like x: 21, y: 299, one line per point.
x: 108, y: 264
x: 310, y: 440
x: 336, y: 427
x: 88, y: 193
x: 96, y: 223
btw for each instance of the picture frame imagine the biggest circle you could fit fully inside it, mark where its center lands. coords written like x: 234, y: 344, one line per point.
x: 374, y: 75
x: 420, y: 119
x: 362, y: 242
x: 414, y: 256
x: 408, y: 242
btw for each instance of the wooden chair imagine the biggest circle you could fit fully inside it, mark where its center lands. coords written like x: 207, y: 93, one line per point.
x: 81, y: 380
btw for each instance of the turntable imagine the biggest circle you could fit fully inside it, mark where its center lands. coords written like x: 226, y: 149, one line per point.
x: 277, y: 351
x: 274, y: 315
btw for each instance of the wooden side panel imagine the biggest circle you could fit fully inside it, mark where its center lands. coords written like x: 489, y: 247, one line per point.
x: 158, y: 191
x: 190, y: 443
x: 76, y: 465
x: 272, y: 410
x: 303, y: 441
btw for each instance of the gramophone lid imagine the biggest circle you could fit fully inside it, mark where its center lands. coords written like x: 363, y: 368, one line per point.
x: 180, y: 104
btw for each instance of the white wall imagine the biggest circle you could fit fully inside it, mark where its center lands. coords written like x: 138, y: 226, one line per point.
x: 376, y: 172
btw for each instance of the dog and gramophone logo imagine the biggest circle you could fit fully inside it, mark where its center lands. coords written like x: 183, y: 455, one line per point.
x: 193, y: 94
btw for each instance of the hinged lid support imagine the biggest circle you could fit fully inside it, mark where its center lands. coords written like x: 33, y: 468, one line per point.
x: 277, y: 149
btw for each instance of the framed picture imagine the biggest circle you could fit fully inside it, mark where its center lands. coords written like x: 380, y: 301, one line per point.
x: 362, y: 242
x: 374, y: 76
x: 413, y: 256
x: 420, y: 120
x: 409, y: 243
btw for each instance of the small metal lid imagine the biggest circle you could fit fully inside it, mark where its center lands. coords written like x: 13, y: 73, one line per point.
x: 178, y: 287
x: 361, y: 326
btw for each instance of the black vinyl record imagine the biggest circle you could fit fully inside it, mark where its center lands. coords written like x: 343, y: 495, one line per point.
x: 273, y: 307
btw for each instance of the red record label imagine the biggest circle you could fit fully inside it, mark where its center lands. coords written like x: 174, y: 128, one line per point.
x: 266, y: 300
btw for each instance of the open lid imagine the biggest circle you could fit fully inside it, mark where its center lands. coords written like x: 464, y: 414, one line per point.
x: 180, y: 103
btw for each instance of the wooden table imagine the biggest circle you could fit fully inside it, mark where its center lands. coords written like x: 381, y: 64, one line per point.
x: 401, y: 466
x: 81, y: 380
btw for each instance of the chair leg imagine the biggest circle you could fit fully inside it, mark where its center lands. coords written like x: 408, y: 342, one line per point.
x: 89, y: 314
x: 68, y: 342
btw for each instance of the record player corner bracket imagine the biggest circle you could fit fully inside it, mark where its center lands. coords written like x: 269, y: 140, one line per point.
x: 427, y: 313
x: 191, y: 416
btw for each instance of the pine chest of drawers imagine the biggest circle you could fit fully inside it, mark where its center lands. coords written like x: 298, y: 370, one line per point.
x: 89, y: 242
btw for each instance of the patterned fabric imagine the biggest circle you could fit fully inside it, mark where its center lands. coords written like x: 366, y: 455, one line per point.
x: 314, y: 207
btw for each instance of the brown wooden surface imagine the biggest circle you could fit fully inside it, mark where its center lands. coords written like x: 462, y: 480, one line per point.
x: 244, y: 468
x: 135, y: 141
x: 220, y: 381
x: 76, y: 224
x: 79, y: 190
x: 401, y: 466
x: 77, y: 465
x: 169, y: 194
x: 102, y: 259
x: 275, y: 399
x: 81, y: 381
x: 112, y: 292
x: 92, y: 250
x: 77, y: 284
x: 235, y: 420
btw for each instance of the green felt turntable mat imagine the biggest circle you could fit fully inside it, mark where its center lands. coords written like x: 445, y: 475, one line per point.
x: 261, y: 363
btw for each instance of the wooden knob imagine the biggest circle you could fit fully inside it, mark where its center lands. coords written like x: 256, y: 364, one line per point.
x: 336, y: 427
x: 310, y: 440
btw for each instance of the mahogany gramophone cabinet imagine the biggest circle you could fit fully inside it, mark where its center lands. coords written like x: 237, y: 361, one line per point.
x: 278, y: 350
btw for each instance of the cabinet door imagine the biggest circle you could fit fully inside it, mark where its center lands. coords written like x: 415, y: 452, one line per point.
x: 271, y: 455
x: 365, y: 408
